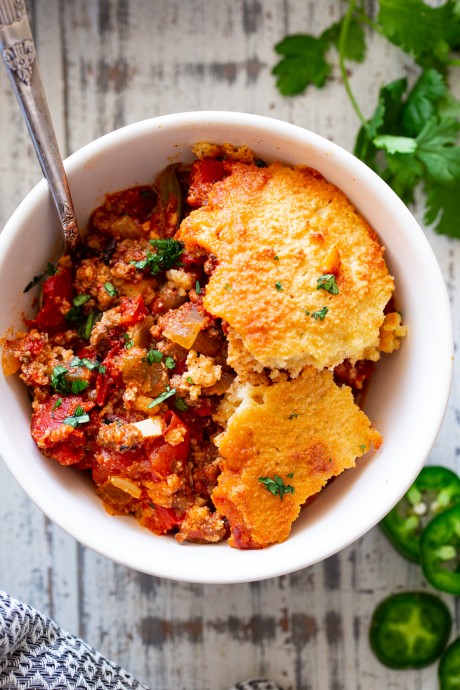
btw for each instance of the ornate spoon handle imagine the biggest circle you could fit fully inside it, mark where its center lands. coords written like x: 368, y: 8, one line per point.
x: 18, y: 53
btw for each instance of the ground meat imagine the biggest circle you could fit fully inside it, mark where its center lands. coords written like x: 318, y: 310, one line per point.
x: 119, y: 436
x: 202, y: 526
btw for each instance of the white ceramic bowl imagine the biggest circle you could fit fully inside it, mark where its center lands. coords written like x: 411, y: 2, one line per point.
x: 407, y: 396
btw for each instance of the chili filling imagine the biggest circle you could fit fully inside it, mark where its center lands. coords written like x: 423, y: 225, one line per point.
x: 126, y: 368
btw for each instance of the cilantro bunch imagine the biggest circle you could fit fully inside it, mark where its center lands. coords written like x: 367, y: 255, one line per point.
x: 411, y: 140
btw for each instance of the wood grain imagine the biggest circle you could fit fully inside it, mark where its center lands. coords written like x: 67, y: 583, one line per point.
x: 105, y: 64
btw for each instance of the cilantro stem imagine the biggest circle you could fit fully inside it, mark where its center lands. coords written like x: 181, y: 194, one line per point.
x: 342, y: 39
x: 453, y: 63
x: 365, y: 19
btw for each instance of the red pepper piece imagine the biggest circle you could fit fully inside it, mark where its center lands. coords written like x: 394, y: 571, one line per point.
x: 57, y: 297
x: 204, y: 173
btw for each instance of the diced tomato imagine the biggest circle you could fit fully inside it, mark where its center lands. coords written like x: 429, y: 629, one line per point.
x: 57, y: 297
x: 70, y: 452
x: 203, y: 174
x: 168, y: 517
x: 132, y: 463
x: 51, y: 434
x: 132, y: 310
x: 160, y: 520
x: 105, y: 381
x: 162, y: 456
x: 87, y: 351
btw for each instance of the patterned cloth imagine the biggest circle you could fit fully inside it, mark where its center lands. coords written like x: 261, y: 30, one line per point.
x: 35, y: 654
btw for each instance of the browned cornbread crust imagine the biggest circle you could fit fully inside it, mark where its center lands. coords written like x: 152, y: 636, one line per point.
x: 305, y: 431
x: 275, y: 231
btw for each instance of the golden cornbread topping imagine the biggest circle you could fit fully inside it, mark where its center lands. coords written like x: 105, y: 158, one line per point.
x: 199, y: 354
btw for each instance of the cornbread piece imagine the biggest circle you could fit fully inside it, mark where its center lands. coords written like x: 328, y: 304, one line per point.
x: 303, y: 431
x: 276, y: 232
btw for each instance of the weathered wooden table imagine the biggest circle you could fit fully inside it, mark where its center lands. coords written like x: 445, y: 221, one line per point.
x: 107, y: 63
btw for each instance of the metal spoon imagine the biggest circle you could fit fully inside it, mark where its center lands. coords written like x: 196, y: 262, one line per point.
x: 18, y: 52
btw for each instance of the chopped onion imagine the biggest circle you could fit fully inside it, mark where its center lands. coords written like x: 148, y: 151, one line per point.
x: 206, y: 345
x: 150, y: 427
x: 127, y: 486
x: 221, y: 386
x: 10, y: 363
x: 127, y: 228
x: 184, y: 330
x: 141, y: 332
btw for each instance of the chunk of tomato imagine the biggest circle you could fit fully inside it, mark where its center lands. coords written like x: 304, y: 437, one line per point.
x: 163, y: 457
x: 203, y: 174
x: 57, y: 297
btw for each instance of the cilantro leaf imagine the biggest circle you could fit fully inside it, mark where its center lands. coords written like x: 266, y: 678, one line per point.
x: 320, y: 314
x: 162, y: 397
x: 78, y: 417
x: 328, y: 282
x: 437, y: 150
x: 427, y: 33
x: 153, y: 356
x: 355, y: 40
x: 181, y: 404
x: 393, y: 144
x: 276, y: 486
x: 422, y: 101
x: 443, y: 209
x: 166, y: 256
x: 304, y: 63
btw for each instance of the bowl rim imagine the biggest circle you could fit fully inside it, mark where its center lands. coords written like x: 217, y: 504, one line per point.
x: 265, y: 565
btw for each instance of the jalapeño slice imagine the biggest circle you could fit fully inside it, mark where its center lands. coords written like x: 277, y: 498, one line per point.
x: 410, y: 630
x: 449, y: 667
x: 435, y: 490
x: 440, y: 551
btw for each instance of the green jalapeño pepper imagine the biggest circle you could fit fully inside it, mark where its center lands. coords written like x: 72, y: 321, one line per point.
x: 440, y: 551
x: 449, y: 667
x: 435, y: 490
x: 410, y: 630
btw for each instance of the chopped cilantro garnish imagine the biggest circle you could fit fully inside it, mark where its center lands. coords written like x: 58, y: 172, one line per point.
x: 169, y: 363
x: 363, y: 447
x: 166, y: 256
x: 276, y: 258
x: 328, y: 282
x: 294, y: 415
x: 57, y: 404
x: 278, y: 286
x: 290, y: 475
x: 85, y: 362
x: 87, y: 326
x: 228, y: 287
x: 153, y: 356
x: 61, y: 385
x: 129, y: 342
x: 80, y: 300
x: 162, y: 397
x: 78, y: 386
x: 78, y: 417
x: 276, y: 486
x: 58, y: 380
x: 189, y: 380
x: 50, y: 271
x: 108, y: 287
x: 320, y: 314
x: 181, y: 404
x: 198, y: 287
x: 307, y: 312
